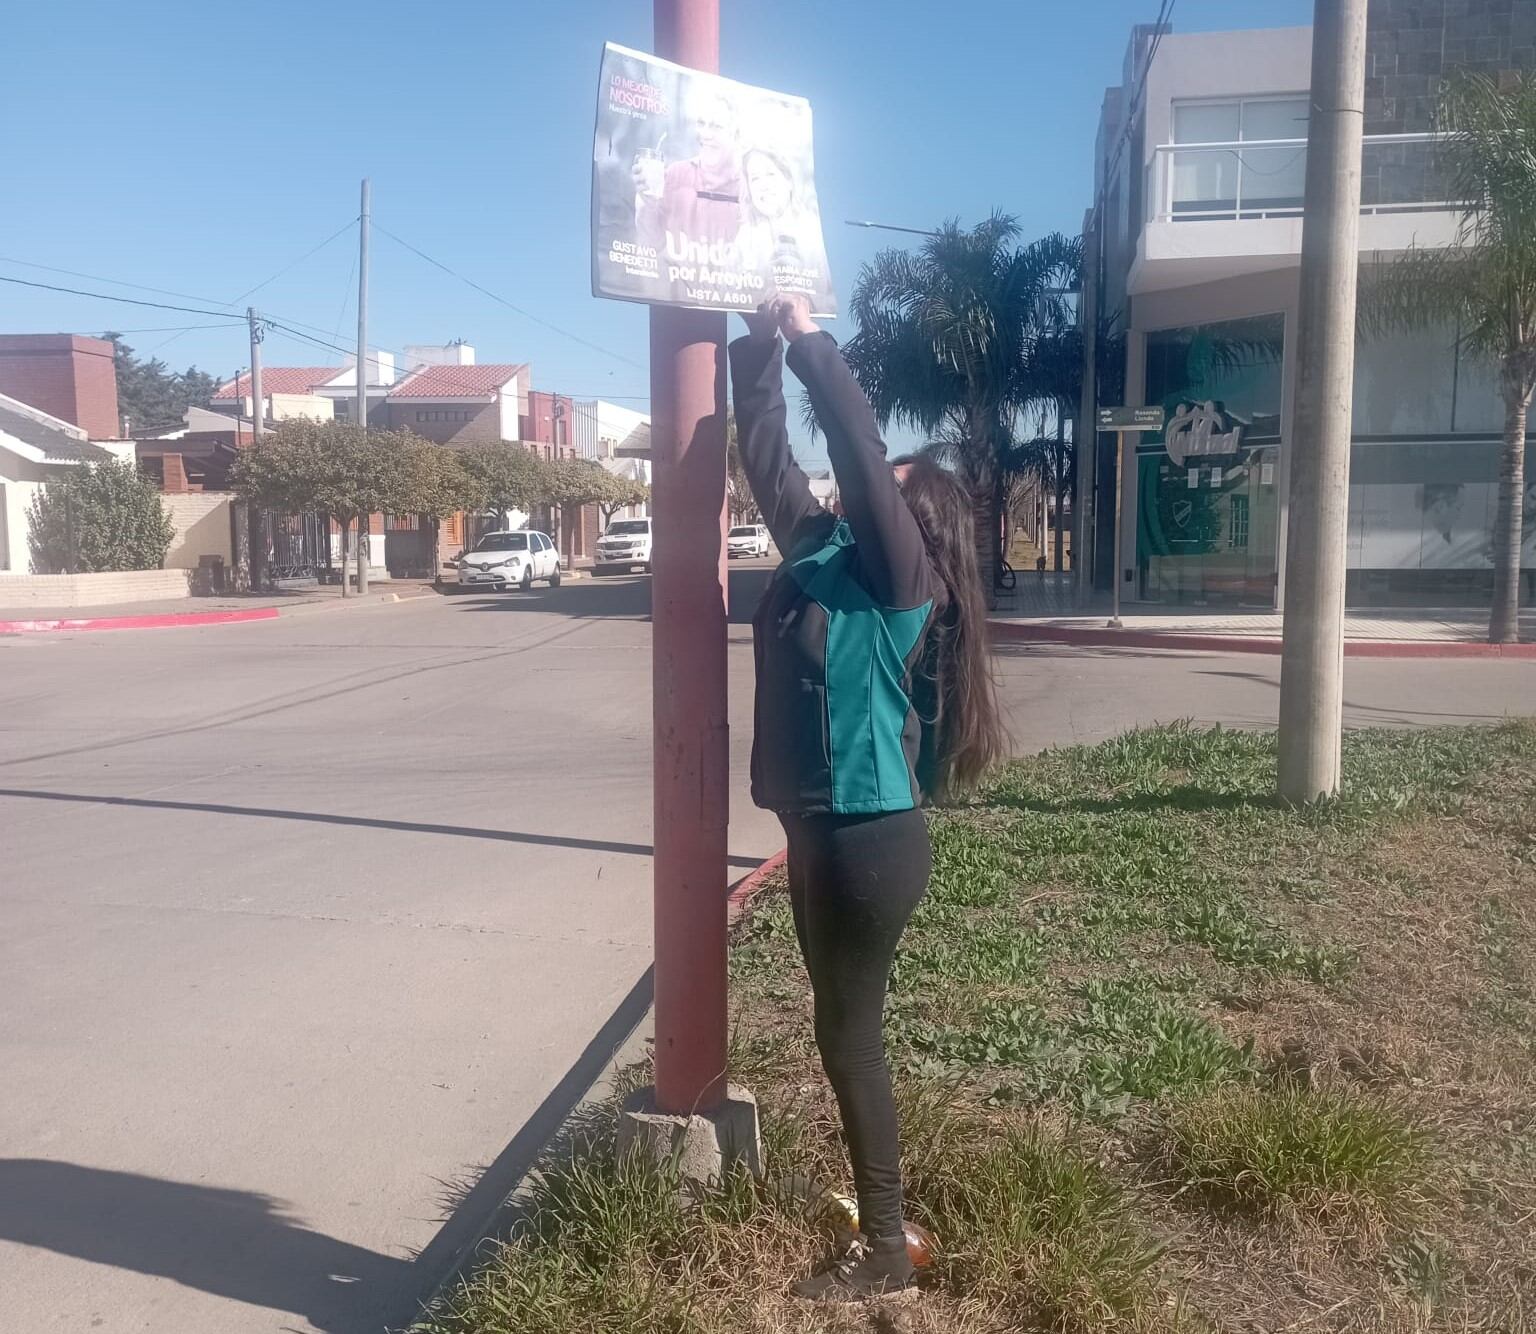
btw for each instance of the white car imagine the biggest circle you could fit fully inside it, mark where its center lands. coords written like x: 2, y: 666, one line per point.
x: 503, y: 560
x: 625, y: 544
x: 749, y: 539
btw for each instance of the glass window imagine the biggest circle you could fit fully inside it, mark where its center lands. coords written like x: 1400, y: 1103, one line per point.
x: 1479, y: 395
x: 1205, y: 180
x: 1232, y: 182
x: 1404, y: 383
x: 1206, y: 122
x: 1274, y: 118
x: 629, y: 528
x: 1235, y: 364
x: 503, y: 542
x: 1208, y: 509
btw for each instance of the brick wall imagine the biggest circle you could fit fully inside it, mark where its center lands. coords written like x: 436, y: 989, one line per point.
x: 202, y: 523
x: 67, y: 376
x: 1411, y: 45
x: 449, y: 423
x: 93, y: 590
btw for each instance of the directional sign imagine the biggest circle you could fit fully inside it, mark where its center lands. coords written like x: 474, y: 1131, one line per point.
x: 1130, y: 419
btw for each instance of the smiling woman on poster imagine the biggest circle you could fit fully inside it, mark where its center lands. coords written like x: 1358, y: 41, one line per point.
x: 778, y: 234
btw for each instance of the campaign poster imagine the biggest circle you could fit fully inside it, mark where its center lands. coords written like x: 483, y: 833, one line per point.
x: 703, y: 190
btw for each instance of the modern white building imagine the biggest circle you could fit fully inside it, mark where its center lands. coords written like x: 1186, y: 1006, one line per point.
x: 1201, y: 160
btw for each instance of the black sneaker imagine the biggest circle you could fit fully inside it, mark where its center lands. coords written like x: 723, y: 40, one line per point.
x: 879, y: 1268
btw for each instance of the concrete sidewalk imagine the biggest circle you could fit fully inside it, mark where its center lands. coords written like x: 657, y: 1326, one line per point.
x: 1045, y: 604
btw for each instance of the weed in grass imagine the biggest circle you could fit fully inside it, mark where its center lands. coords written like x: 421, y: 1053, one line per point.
x: 1419, y: 1265
x: 970, y: 868
x: 1127, y: 1038
x: 1324, y: 1155
x: 1234, y: 936
x: 1027, y: 1220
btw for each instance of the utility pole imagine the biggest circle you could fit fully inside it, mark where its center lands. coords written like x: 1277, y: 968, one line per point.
x: 364, y: 543
x: 688, y: 599
x: 691, y: 1120
x: 1312, y: 663
x: 1084, y: 532
x: 255, y: 534
x: 258, y: 411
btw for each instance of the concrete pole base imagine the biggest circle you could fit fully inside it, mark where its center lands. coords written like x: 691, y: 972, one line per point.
x: 703, y: 1146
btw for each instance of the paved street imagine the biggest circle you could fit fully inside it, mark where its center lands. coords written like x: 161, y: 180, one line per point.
x: 306, y: 919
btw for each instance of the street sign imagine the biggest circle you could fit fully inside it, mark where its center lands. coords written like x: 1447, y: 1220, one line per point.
x: 632, y: 453
x: 1130, y: 419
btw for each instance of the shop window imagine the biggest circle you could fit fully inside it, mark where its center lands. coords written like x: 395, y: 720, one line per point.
x: 1208, y: 503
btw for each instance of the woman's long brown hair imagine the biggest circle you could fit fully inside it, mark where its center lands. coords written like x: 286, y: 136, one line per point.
x: 957, y: 697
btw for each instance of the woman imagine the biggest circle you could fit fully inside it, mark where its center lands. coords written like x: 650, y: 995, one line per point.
x: 874, y: 692
x: 778, y: 238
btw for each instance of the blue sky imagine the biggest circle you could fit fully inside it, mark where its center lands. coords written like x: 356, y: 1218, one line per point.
x: 203, y: 148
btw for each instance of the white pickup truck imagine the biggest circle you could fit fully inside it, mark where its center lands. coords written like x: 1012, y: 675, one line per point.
x: 625, y: 544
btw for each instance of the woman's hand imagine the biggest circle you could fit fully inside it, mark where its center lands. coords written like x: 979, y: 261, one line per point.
x: 763, y: 323
x: 794, y: 316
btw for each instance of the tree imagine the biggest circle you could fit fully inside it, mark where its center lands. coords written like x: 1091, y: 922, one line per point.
x: 329, y: 466
x: 104, y: 517
x: 739, y: 500
x: 577, y: 482
x: 949, y: 334
x: 507, y: 477
x: 573, y: 483
x: 149, y: 394
x: 622, y: 493
x: 1484, y: 285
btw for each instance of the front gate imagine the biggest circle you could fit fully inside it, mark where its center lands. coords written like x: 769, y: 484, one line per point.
x: 297, y: 549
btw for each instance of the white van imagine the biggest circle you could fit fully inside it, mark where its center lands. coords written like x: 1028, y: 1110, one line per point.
x: 625, y: 544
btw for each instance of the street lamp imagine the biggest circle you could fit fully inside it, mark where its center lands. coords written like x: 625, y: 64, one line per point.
x: 887, y: 227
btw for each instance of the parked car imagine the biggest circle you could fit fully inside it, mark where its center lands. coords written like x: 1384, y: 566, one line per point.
x: 625, y: 543
x: 501, y: 560
x: 749, y: 539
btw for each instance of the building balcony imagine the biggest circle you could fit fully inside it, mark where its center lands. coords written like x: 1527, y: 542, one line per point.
x: 1215, y: 210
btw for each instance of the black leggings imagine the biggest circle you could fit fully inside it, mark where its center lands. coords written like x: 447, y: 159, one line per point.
x: 854, y: 882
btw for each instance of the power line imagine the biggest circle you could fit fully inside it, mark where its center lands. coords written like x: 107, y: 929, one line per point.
x: 180, y: 328
x: 501, y: 300
x: 344, y: 228
x: 289, y: 328
x: 116, y: 282
x: 106, y: 296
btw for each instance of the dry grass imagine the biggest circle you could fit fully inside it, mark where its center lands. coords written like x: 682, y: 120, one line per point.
x: 1170, y: 1056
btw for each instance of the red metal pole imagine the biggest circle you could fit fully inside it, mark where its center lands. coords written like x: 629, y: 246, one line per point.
x: 688, y: 613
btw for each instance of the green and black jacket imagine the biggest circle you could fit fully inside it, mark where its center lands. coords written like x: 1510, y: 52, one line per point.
x: 841, y: 626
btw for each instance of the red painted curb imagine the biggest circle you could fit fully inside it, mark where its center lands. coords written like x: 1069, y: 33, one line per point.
x: 1015, y: 633
x: 167, y: 621
x: 745, y: 888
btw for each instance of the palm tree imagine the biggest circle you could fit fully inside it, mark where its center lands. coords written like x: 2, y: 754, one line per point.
x: 1484, y: 285
x: 948, y: 336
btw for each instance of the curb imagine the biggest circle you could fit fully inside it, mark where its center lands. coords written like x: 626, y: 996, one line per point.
x: 175, y: 620
x: 165, y: 621
x: 1012, y: 632
x: 451, y: 1258
x: 745, y: 889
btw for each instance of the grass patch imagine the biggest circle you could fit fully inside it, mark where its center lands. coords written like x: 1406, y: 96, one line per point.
x: 1321, y: 1154
x: 1169, y: 1055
